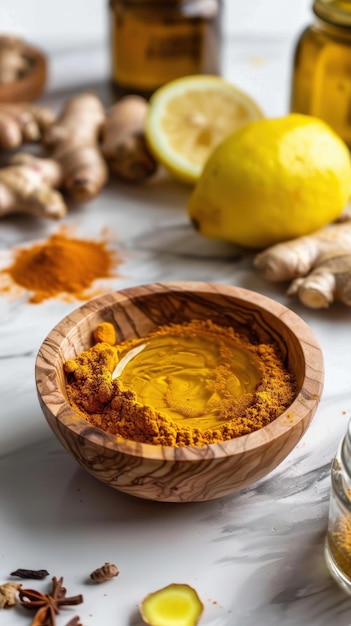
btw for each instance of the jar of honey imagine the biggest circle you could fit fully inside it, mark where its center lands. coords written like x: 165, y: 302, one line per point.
x: 153, y: 42
x: 321, y: 79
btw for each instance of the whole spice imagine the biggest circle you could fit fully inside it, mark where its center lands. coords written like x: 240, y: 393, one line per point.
x: 75, y: 621
x: 47, y: 606
x: 8, y: 593
x: 106, y: 572
x: 27, y: 186
x: 22, y: 122
x: 73, y: 142
x: 123, y: 141
x: 243, y: 386
x: 14, y: 62
x: 318, y: 265
x: 37, y: 574
x: 61, y: 265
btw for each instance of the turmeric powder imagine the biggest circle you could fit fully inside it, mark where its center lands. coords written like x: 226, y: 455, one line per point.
x: 60, y: 266
x: 188, y: 384
x: 339, y: 543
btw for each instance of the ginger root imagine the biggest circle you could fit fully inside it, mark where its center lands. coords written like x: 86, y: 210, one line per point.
x: 8, y: 593
x: 73, y: 142
x: 319, y: 265
x: 21, y: 123
x: 123, y: 140
x: 106, y: 572
x: 26, y: 186
x: 76, y: 161
x: 13, y: 63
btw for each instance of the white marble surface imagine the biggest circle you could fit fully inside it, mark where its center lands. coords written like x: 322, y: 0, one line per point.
x: 254, y: 558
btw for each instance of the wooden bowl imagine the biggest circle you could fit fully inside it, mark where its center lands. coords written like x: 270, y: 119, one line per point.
x: 30, y: 86
x: 183, y: 474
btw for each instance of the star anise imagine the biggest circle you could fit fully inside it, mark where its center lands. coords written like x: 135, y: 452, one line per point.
x: 47, y: 606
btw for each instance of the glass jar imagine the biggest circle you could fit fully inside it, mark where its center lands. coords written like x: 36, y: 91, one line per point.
x: 338, y: 542
x: 321, y: 78
x: 153, y: 42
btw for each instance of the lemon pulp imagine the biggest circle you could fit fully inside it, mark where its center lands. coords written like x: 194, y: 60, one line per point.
x: 187, y: 378
x: 189, y: 116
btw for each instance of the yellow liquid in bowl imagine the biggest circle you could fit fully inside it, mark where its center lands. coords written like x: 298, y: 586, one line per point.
x: 189, y: 378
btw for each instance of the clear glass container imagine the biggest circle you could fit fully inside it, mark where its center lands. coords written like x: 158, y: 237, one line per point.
x: 338, y: 542
x: 321, y: 76
x: 153, y: 42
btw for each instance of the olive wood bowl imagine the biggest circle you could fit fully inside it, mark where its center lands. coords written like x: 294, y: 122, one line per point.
x: 182, y: 474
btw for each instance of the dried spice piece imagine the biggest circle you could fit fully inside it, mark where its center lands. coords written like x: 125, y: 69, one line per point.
x: 47, y: 606
x: 106, y: 572
x: 37, y: 574
x: 175, y: 604
x: 8, y: 594
x: 75, y: 621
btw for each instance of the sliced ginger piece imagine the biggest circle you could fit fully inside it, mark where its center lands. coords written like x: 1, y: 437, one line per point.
x: 174, y: 605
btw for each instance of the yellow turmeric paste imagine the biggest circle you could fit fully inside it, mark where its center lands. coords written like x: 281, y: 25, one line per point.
x: 187, y: 384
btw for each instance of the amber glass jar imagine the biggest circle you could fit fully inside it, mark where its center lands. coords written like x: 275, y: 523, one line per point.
x: 153, y: 42
x: 321, y: 81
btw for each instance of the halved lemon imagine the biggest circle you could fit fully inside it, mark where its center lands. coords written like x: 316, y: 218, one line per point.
x: 188, y: 117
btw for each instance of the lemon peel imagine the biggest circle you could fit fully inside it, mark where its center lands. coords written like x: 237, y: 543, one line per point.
x: 271, y: 181
x: 189, y: 116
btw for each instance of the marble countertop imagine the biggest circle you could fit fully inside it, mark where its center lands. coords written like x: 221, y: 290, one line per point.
x: 254, y: 558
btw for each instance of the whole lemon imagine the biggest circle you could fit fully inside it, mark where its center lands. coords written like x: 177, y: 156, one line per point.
x: 272, y: 180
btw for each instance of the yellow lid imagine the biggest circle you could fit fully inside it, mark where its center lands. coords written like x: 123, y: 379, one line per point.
x: 334, y: 11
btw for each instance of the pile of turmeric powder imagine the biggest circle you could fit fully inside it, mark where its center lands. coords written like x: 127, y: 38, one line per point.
x: 96, y: 393
x: 60, y: 266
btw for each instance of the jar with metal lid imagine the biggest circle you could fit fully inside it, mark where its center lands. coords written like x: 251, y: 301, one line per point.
x: 338, y: 542
x: 321, y: 80
x: 153, y: 42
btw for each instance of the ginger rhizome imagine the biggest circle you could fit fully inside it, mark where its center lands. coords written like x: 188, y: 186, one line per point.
x: 23, y: 123
x: 319, y: 265
x: 14, y: 64
x: 81, y: 145
x: 123, y: 143
x: 75, y: 164
x: 26, y: 186
x: 8, y: 594
x: 73, y: 142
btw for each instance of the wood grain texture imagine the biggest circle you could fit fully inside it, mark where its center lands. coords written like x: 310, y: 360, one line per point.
x: 180, y: 474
